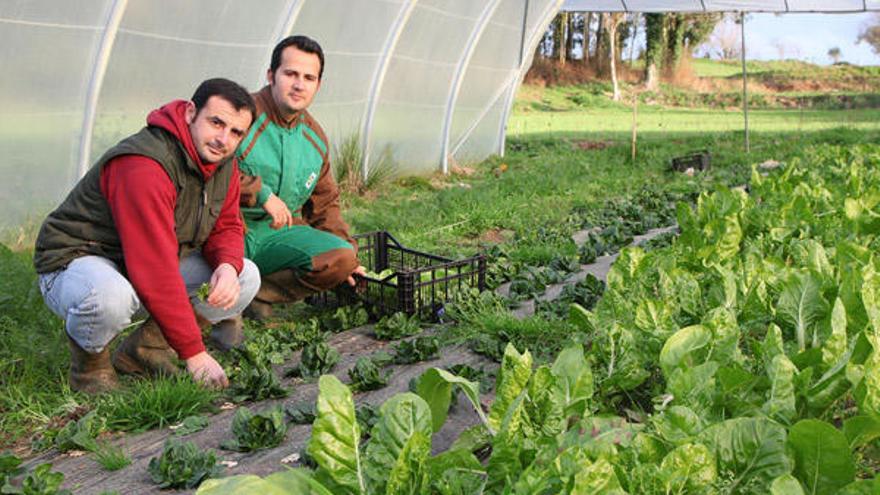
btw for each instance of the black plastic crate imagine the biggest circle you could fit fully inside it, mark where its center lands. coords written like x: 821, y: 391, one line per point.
x: 417, y: 282
x: 699, y: 160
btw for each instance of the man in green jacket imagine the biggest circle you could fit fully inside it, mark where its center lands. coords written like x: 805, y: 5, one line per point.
x: 295, y: 233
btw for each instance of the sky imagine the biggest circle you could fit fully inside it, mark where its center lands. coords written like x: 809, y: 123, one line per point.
x: 808, y: 37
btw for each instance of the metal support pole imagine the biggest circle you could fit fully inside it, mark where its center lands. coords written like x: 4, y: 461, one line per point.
x: 378, y: 79
x: 522, y: 35
x: 99, y: 69
x: 458, y: 78
x: 281, y: 31
x: 742, y: 23
x: 536, y: 36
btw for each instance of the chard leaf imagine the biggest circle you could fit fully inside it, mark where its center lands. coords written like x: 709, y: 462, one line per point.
x: 409, y: 474
x: 456, y: 472
x: 678, y: 425
x: 543, y: 406
x: 811, y: 254
x: 861, y: 487
x: 678, y: 349
x: 801, y: 306
x: 435, y: 387
x: 835, y: 347
x: 335, y: 437
x: 623, y: 272
x: 513, y: 377
x: 655, y: 319
x: 868, y: 395
x: 861, y: 430
x: 750, y: 453
x: 823, y: 461
x: 574, y: 380
x: 721, y: 322
x: 780, y: 404
x: 504, y: 464
x: 288, y: 482
x: 401, y: 418
x: 581, y: 318
x: 694, y: 387
x: 786, y: 485
x: 597, y: 478
x: 772, y: 345
x: 688, y: 468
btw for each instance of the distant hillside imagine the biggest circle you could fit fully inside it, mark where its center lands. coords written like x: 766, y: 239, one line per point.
x: 717, y: 84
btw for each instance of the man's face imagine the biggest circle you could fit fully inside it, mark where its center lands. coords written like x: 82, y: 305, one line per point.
x: 217, y: 128
x: 295, y: 82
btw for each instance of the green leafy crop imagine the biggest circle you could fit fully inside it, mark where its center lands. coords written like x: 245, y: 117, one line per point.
x: 366, y: 375
x: 317, y: 359
x: 416, y: 350
x: 203, y: 292
x: 263, y: 430
x: 183, y: 465
x: 397, y: 326
x: 254, y: 380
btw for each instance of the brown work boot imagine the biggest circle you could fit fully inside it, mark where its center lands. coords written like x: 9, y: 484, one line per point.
x: 228, y: 334
x: 146, y: 352
x: 91, y: 373
x: 258, y: 310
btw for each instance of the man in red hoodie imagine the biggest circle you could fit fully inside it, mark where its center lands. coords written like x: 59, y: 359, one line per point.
x: 153, y: 220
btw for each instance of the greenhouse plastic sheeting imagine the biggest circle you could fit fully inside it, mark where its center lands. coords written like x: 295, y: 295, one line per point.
x: 432, y: 81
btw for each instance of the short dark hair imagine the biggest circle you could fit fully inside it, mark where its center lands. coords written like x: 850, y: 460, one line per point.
x: 300, y: 42
x: 230, y: 91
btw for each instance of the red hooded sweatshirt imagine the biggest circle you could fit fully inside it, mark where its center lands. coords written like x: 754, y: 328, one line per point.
x: 142, y: 200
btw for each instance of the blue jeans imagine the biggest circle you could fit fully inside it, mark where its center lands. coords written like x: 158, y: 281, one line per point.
x: 96, y: 301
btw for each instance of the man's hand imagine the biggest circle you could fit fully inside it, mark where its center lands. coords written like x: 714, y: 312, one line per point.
x: 205, y: 369
x: 360, y: 271
x: 281, y: 216
x: 224, y: 287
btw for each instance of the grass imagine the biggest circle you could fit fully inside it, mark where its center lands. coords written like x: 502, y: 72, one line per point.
x: 548, y: 175
x: 111, y: 457
x: 148, y: 404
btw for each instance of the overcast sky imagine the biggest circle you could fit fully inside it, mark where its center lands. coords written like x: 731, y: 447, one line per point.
x: 808, y: 37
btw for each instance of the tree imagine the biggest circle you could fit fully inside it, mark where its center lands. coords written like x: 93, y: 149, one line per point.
x: 654, y: 36
x: 588, y: 21
x: 871, y: 34
x: 834, y: 53
x: 612, y: 22
x: 725, y: 40
x: 559, y: 36
x: 601, y: 45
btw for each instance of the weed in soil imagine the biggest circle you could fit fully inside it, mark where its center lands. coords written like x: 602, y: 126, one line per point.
x: 110, y: 457
x: 155, y: 403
